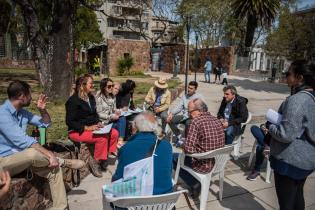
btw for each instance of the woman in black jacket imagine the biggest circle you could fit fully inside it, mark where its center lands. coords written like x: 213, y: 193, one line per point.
x: 82, y: 120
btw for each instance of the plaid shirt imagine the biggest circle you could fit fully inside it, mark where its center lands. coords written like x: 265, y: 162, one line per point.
x: 205, y: 133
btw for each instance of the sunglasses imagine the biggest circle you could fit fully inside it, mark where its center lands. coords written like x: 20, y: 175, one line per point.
x: 191, y: 111
x: 109, y: 86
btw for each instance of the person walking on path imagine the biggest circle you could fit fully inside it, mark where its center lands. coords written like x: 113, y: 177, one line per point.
x: 208, y: 69
x: 292, y: 146
x: 218, y: 72
x: 224, y: 75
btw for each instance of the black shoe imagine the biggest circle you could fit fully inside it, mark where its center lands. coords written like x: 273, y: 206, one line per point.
x: 103, y: 164
x: 253, y: 175
x: 195, y: 190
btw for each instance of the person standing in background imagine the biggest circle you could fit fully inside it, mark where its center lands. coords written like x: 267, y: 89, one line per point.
x: 208, y: 69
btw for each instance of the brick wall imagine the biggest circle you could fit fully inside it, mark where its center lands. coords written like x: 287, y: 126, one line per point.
x: 167, y: 58
x: 225, y: 54
x: 139, y: 50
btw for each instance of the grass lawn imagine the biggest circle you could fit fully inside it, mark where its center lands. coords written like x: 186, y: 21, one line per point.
x: 56, y: 109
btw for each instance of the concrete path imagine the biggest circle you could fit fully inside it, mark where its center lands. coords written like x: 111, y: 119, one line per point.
x: 239, y: 194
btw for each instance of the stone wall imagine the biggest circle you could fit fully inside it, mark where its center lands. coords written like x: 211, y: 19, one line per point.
x: 35, y: 194
x: 139, y: 50
x: 167, y: 58
x: 225, y: 54
x: 6, y: 63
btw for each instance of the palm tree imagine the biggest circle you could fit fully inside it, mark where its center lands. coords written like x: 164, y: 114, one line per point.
x: 257, y: 13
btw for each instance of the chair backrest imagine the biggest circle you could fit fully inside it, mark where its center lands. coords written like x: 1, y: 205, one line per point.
x: 161, y: 202
x: 222, y: 157
x: 249, y: 118
x: 213, y: 153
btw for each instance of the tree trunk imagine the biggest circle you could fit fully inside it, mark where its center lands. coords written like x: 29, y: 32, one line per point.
x: 250, y: 33
x: 51, y: 59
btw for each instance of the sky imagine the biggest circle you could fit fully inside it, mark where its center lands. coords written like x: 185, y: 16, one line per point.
x: 303, y: 3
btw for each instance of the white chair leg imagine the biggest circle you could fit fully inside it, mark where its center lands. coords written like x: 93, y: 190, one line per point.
x: 205, y: 185
x: 268, y: 172
x: 236, y: 150
x: 250, y: 160
x: 221, y: 183
x: 180, y: 162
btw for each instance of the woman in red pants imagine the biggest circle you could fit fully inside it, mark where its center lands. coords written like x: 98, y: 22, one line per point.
x: 82, y: 120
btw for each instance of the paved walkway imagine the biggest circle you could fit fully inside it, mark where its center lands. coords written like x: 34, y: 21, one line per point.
x: 239, y: 194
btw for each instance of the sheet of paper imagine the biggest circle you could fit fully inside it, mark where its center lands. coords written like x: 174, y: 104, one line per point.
x: 104, y: 130
x: 273, y: 117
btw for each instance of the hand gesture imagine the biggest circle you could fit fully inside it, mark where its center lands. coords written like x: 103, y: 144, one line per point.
x: 53, y: 161
x: 118, y: 112
x: 115, y: 117
x: 5, y: 180
x: 157, y: 110
x: 169, y: 118
x: 100, y: 125
x: 41, y: 102
x: 225, y: 124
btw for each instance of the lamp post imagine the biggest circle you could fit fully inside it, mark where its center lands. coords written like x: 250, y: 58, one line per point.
x: 196, y: 56
x: 188, y: 19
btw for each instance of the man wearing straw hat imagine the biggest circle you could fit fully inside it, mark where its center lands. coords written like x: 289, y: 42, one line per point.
x: 159, y: 99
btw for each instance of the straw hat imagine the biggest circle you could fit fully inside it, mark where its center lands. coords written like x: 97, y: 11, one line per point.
x: 161, y: 83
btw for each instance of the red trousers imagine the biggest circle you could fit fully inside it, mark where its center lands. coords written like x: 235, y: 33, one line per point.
x: 104, y: 143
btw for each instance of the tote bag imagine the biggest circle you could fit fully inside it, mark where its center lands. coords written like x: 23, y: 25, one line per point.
x: 137, y: 178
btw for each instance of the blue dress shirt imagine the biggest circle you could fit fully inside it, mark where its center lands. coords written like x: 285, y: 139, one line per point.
x: 13, y: 124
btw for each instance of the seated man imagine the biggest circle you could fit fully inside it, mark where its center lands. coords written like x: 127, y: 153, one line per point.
x: 205, y: 133
x: 179, y: 113
x: 232, y: 112
x: 137, y: 147
x: 18, y: 151
x: 159, y: 99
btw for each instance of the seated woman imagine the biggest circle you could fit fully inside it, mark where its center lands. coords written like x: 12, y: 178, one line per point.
x: 82, y: 120
x: 124, y: 99
x: 146, y: 131
x: 106, y: 108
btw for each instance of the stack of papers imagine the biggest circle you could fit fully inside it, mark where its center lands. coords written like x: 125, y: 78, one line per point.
x: 104, y: 130
x: 130, y: 112
x: 273, y: 117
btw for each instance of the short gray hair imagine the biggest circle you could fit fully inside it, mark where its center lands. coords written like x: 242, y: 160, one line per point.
x: 143, y: 124
x: 200, y: 105
x: 230, y: 87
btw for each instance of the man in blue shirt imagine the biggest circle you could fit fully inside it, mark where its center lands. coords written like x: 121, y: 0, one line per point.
x: 18, y: 151
x: 208, y: 69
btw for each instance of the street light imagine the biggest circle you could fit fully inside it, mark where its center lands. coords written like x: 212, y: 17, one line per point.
x: 188, y: 19
x: 196, y: 56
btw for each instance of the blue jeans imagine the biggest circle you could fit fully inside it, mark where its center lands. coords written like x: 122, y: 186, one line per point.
x: 259, y: 136
x: 229, y: 135
x: 121, y: 125
x: 207, y: 76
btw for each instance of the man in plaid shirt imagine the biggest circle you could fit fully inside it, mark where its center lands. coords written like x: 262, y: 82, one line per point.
x: 205, y: 133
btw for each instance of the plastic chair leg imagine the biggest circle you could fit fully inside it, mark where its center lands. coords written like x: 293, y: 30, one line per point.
x: 221, y: 183
x: 205, y: 185
x: 268, y: 172
x: 250, y: 160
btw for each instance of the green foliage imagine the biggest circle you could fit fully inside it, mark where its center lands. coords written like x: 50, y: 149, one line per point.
x: 5, y: 10
x: 294, y: 37
x: 124, y: 65
x: 86, y: 28
x: 134, y: 73
x: 79, y: 71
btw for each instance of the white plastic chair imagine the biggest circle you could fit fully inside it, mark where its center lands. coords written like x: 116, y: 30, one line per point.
x: 221, y: 155
x: 154, y: 202
x: 250, y: 160
x: 238, y: 140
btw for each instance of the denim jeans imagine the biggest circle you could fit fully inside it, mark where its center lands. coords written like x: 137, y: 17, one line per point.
x: 121, y: 125
x: 229, y: 135
x: 259, y: 136
x: 207, y: 76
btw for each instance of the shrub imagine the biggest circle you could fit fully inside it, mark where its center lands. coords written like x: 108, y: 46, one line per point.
x: 134, y: 73
x: 78, y: 71
x: 124, y: 65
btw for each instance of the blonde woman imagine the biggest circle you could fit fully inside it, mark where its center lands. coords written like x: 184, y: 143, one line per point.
x: 82, y: 119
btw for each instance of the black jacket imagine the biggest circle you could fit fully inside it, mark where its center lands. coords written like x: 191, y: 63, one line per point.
x: 239, y: 113
x: 80, y: 114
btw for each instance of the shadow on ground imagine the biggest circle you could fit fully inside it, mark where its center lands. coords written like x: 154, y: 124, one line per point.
x: 260, y: 86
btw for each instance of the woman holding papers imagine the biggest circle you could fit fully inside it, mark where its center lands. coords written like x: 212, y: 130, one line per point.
x: 292, y: 146
x: 83, y: 121
x: 106, y: 108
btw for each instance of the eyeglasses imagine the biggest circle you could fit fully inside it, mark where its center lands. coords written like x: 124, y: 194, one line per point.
x: 191, y: 111
x: 110, y: 86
